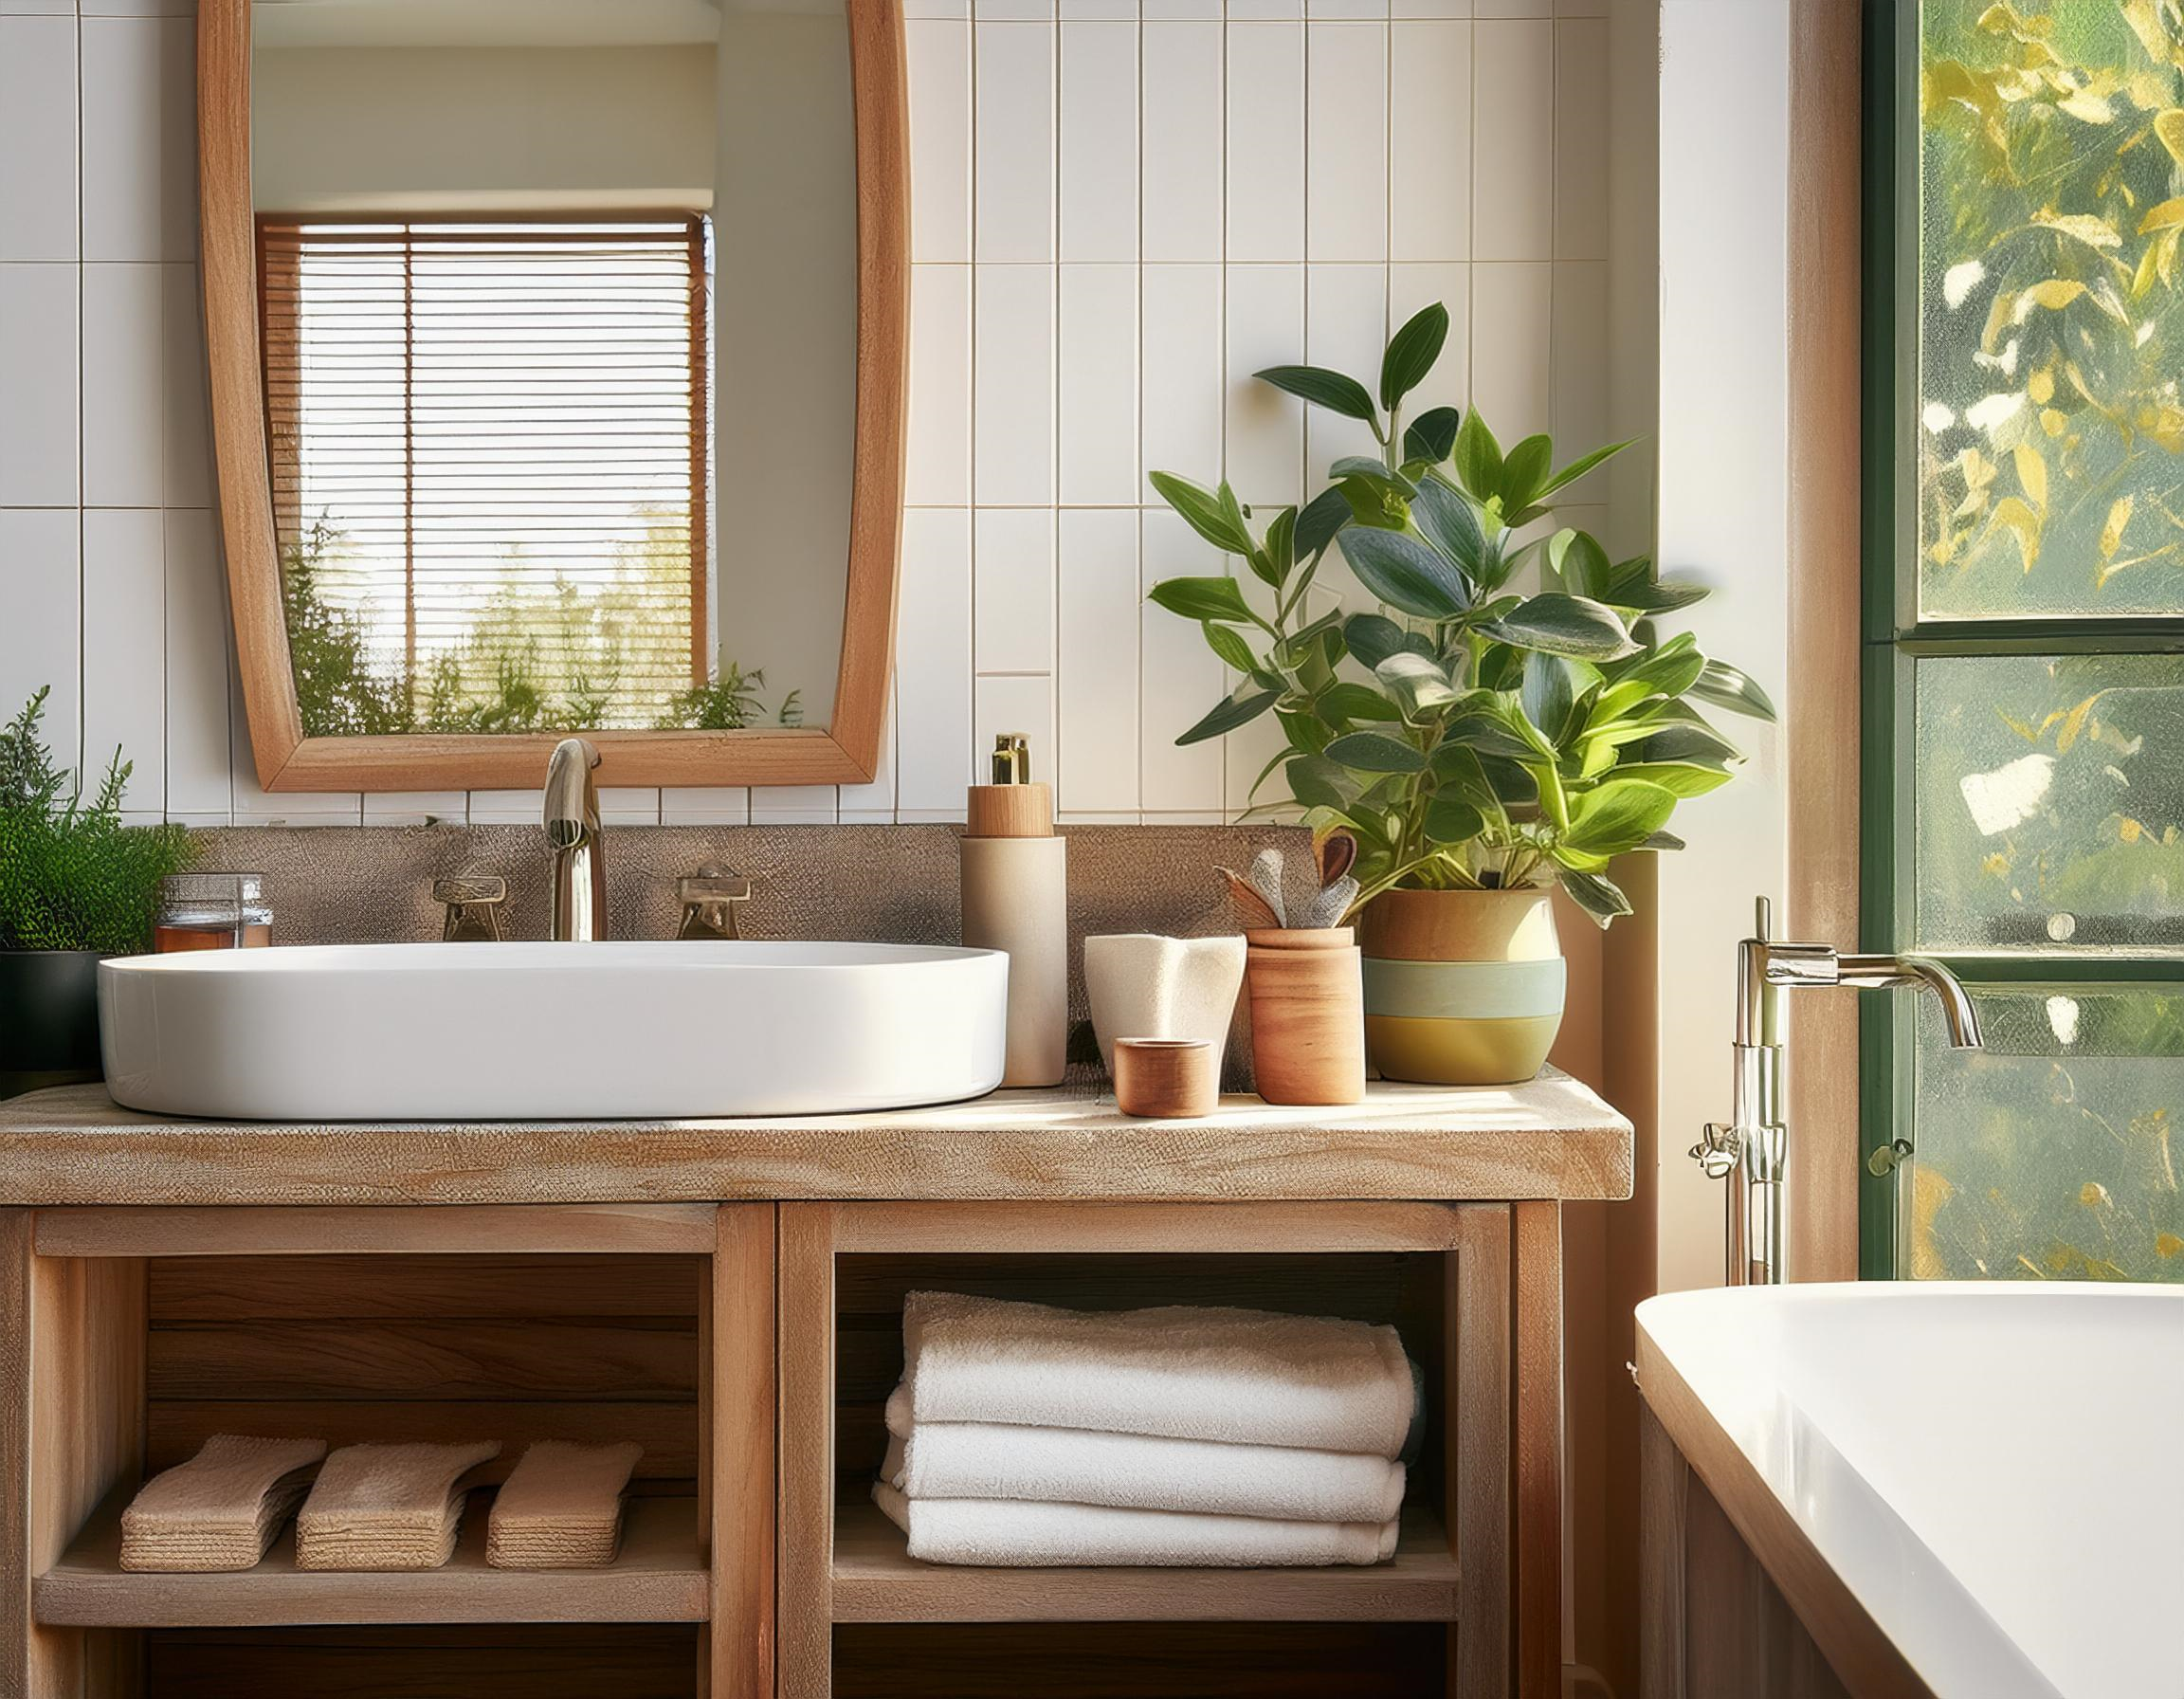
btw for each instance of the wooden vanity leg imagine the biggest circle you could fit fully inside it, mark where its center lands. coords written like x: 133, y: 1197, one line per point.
x: 14, y: 1450
x: 1538, y: 1421
x: 1475, y: 1405
x: 805, y: 1611
x: 740, y: 1453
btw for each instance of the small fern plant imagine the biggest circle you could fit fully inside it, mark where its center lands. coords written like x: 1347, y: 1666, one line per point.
x: 72, y: 877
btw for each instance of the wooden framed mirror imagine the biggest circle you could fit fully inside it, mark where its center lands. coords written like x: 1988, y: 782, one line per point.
x: 557, y: 354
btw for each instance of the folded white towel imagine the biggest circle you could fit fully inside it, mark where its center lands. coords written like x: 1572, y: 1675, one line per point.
x: 1239, y: 1376
x: 1014, y: 1534
x: 1138, y: 1471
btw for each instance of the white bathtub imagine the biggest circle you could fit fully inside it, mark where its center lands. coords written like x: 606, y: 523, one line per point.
x: 1995, y: 1471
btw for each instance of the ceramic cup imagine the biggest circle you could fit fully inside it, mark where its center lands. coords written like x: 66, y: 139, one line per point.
x: 1143, y: 985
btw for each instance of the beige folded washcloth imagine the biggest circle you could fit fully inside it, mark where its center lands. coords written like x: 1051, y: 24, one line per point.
x: 1239, y: 1376
x: 222, y: 1509
x: 388, y: 1507
x: 1016, y: 1534
x: 561, y: 1508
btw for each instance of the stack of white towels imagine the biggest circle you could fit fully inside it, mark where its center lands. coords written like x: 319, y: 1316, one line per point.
x: 1024, y: 1435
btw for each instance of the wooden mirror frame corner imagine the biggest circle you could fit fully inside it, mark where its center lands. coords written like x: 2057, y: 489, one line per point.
x: 846, y: 751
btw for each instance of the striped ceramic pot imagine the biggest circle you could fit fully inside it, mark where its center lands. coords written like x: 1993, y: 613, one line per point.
x: 1461, y: 988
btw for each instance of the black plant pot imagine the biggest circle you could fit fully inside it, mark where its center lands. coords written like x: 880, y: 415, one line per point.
x: 48, y: 1019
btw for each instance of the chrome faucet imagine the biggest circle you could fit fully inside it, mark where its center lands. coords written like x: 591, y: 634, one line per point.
x: 1752, y: 1152
x: 573, y: 836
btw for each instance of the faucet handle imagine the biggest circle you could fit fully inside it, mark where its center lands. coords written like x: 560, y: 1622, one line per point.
x: 1716, y: 1151
x: 473, y: 904
x: 708, y: 898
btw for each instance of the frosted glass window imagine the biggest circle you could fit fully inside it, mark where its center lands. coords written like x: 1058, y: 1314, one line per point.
x: 2049, y: 801
x: 2050, y: 421
x: 2052, y: 1154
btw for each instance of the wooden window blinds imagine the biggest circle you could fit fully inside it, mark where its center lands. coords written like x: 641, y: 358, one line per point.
x: 489, y: 446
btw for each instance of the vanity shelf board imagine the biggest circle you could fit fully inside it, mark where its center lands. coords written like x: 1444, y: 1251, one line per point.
x: 659, y: 1577
x: 875, y: 1580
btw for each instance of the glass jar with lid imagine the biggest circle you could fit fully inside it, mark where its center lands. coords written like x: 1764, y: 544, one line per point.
x: 211, y: 911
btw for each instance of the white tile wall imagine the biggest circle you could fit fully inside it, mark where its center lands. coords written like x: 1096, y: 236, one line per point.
x: 1121, y: 209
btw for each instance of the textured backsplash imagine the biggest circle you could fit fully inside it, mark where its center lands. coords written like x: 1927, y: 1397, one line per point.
x: 891, y: 883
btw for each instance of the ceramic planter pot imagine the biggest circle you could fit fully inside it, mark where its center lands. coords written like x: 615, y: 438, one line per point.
x: 1461, y: 988
x: 48, y: 1019
x: 1307, y: 1016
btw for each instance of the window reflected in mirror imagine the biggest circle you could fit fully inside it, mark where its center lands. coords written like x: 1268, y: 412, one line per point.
x: 543, y: 290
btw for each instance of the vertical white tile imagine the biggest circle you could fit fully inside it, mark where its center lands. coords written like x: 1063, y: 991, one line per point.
x: 1411, y: 288
x: 37, y: 9
x: 1012, y: 575
x: 506, y: 808
x: 1024, y: 703
x: 1347, y: 144
x: 1429, y: 115
x: 1098, y: 424
x: 38, y: 150
x: 178, y: 137
x: 1181, y: 11
x: 1180, y: 198
x: 39, y: 386
x: 198, y: 778
x: 1265, y: 154
x: 1013, y: 141
x: 1012, y: 391
x: 1348, y: 8
x: 416, y: 807
x: 1511, y: 337
x: 1581, y: 139
x: 188, y: 409
x: 1581, y: 9
x: 933, y: 665
x: 1265, y: 427
x: 1096, y: 686
x: 793, y: 804
x: 1015, y: 11
x: 124, y: 454
x: 940, y: 74
x: 1099, y: 141
x: 124, y: 124
x: 1513, y: 150
x: 125, y: 649
x: 1430, y: 9
x: 41, y: 638
x: 1346, y: 330
x: 1264, y: 11
x: 630, y: 805
x: 1110, y: 11
x: 1581, y: 364
x: 1513, y: 8
x: 874, y: 801
x: 959, y: 9
x: 937, y: 472
x: 705, y: 805
x: 1182, y: 373
x: 1180, y: 678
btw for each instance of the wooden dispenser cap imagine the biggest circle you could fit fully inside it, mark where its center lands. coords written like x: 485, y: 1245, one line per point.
x: 1014, y: 806
x: 1165, y: 1078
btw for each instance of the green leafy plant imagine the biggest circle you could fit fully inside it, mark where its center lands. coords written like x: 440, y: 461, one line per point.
x: 72, y: 877
x: 730, y: 703
x: 1470, y: 734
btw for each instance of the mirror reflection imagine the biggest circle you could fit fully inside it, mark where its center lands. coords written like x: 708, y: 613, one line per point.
x: 558, y: 307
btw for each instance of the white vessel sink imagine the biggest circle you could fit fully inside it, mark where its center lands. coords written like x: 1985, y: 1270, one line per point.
x: 551, y: 1031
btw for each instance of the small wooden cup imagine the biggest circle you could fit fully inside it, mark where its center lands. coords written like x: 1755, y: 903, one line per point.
x: 1167, y: 1079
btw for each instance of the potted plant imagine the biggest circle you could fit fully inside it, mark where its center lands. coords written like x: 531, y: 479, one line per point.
x: 1482, y: 742
x: 75, y: 886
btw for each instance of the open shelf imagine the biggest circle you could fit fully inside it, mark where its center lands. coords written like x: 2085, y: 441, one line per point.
x: 877, y: 1580
x: 659, y: 1577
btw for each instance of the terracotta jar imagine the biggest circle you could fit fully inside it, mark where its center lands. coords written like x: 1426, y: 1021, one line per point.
x: 1307, y: 1015
x: 1461, y: 988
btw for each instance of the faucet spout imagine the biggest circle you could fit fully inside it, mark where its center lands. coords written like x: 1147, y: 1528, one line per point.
x: 1960, y: 1014
x: 575, y: 842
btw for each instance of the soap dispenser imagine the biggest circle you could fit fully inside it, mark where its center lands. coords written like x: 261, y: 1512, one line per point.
x: 1016, y: 899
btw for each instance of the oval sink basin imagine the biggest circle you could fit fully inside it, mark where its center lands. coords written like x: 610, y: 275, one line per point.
x: 551, y: 1031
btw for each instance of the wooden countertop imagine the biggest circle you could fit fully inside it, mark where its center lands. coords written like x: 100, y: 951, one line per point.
x: 1552, y: 1138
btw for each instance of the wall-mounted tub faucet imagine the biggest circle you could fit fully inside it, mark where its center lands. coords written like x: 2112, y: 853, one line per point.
x: 1751, y: 1151
x: 574, y: 837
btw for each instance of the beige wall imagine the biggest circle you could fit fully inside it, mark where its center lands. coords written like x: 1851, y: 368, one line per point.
x: 481, y: 129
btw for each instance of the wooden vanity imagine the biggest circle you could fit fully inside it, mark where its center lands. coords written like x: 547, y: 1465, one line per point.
x: 729, y: 1293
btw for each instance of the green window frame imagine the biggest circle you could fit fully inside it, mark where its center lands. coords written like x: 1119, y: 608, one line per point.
x: 1898, y: 636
